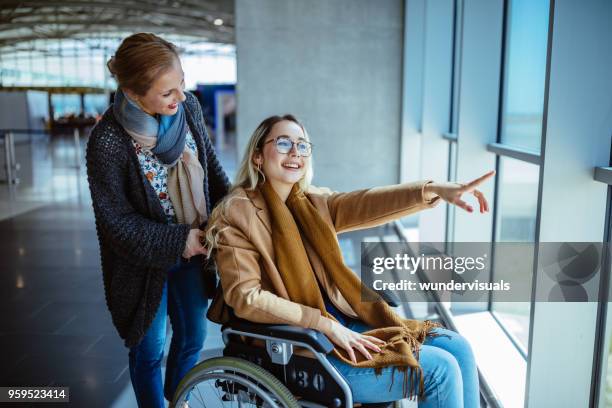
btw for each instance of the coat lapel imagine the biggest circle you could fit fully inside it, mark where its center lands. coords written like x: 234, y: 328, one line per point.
x: 262, y: 213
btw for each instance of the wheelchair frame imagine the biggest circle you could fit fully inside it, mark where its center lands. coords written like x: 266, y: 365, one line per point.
x: 314, y: 387
x: 280, y: 350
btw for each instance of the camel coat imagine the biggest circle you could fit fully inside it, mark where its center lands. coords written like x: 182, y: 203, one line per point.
x: 251, y: 283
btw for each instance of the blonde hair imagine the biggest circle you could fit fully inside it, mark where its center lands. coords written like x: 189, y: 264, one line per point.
x: 140, y: 59
x: 249, y: 176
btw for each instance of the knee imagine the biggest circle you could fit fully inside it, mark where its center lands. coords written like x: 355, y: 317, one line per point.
x: 191, y: 337
x: 445, y: 372
x: 188, y: 344
x: 455, y: 344
x: 149, y: 354
x: 447, y: 365
x: 193, y: 345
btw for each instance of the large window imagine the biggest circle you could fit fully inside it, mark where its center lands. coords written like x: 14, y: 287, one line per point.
x: 82, y: 62
x: 606, y: 382
x: 603, y: 390
x: 525, y: 73
x: 454, y: 116
x: 515, y: 222
x: 517, y: 103
x: 519, y: 140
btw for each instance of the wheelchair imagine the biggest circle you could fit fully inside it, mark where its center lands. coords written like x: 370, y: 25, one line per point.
x: 275, y: 374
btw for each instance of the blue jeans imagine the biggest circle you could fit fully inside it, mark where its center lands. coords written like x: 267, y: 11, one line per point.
x: 183, y: 299
x: 449, y: 369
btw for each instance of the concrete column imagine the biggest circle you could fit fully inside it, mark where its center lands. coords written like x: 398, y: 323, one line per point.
x: 336, y: 65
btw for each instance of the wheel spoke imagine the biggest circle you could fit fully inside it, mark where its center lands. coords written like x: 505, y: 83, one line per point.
x: 234, y: 390
x: 201, y: 397
x: 236, y: 383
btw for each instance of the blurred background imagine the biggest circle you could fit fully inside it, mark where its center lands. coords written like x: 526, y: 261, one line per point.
x: 389, y: 91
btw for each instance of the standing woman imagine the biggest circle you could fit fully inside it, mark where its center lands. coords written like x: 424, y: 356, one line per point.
x: 154, y: 176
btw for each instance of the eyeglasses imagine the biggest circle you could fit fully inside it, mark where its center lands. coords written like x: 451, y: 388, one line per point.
x: 284, y: 145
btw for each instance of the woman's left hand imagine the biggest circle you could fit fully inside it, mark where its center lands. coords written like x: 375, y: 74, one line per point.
x: 451, y: 192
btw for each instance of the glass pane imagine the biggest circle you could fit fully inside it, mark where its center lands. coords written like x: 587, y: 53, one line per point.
x: 605, y: 389
x: 83, y: 63
x: 525, y: 73
x: 606, y: 370
x: 95, y: 104
x: 515, y: 222
x: 66, y: 105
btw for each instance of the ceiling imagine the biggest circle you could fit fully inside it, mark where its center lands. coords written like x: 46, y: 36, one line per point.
x: 23, y: 23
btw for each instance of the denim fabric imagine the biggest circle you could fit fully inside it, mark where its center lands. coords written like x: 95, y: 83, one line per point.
x: 449, y: 369
x: 183, y: 299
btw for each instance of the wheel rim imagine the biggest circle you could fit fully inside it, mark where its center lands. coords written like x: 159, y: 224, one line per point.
x: 227, y: 387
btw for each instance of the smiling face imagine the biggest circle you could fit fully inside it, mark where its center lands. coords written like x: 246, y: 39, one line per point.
x: 282, y: 170
x: 165, y: 92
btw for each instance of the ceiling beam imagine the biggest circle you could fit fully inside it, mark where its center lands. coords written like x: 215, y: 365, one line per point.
x: 139, y: 19
x: 210, y: 37
x: 191, y: 11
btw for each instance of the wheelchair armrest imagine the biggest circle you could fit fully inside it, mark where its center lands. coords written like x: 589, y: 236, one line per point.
x: 317, y: 340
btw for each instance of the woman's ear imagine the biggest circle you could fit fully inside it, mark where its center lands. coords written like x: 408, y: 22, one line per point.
x: 258, y: 158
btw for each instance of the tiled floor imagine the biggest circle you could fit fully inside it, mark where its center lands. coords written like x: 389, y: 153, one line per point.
x: 55, y: 329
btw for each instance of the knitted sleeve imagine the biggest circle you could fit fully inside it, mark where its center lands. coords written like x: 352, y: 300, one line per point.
x: 129, y: 234
x: 218, y: 183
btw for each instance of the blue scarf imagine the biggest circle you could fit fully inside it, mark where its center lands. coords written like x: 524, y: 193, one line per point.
x: 165, y: 138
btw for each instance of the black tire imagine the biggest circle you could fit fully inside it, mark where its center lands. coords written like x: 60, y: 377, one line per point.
x: 247, y: 377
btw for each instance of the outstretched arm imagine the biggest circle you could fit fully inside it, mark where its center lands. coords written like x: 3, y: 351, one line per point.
x: 371, y: 207
x: 376, y: 206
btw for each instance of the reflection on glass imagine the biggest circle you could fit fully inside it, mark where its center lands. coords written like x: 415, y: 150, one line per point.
x: 95, y: 104
x: 516, y: 218
x: 66, y: 104
x: 525, y: 73
x: 607, y: 368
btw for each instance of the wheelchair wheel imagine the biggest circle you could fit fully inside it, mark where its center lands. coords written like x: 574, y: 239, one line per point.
x: 232, y: 382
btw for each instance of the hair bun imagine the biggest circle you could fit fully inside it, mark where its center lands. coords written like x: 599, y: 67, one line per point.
x: 111, y: 65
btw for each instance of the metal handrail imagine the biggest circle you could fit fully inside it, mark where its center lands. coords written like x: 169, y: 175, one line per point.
x: 10, y: 162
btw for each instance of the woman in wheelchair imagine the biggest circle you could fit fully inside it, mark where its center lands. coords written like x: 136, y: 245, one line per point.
x: 278, y: 258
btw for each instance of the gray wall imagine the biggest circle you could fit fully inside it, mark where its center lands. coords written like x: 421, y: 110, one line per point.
x: 23, y: 110
x: 337, y: 66
x: 13, y: 110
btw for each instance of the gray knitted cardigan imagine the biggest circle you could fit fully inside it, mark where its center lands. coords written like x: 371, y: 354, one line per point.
x: 137, y: 243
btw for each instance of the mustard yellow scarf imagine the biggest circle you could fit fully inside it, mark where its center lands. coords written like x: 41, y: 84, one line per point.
x: 298, y: 219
